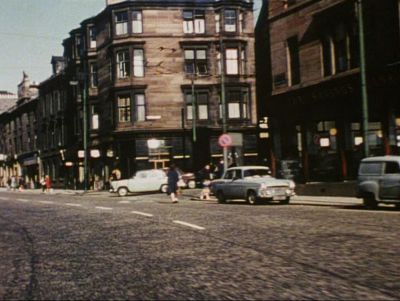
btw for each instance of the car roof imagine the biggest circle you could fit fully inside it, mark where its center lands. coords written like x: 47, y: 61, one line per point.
x: 249, y: 167
x: 382, y: 159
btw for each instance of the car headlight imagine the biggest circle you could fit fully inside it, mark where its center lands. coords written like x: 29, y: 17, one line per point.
x: 292, y: 185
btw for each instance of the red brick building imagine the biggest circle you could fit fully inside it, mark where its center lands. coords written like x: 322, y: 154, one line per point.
x: 308, y: 83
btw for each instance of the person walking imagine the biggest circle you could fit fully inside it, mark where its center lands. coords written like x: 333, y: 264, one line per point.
x: 173, y: 178
x: 205, y: 177
x: 47, y: 181
x: 13, y: 183
x: 43, y: 184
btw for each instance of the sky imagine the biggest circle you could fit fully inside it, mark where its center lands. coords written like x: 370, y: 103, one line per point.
x: 32, y: 31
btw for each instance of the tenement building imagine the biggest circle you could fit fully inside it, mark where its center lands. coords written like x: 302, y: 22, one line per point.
x: 19, y: 154
x: 309, y: 82
x: 148, y: 82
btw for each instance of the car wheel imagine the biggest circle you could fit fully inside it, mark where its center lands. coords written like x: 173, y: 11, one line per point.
x: 192, y: 184
x: 252, y: 198
x: 285, y: 201
x: 123, y: 191
x: 370, y: 202
x: 164, y: 188
x: 221, y: 197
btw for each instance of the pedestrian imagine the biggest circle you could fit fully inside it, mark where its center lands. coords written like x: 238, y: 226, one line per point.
x: 13, y: 183
x: 8, y: 183
x: 47, y: 181
x: 43, y: 184
x: 219, y: 169
x: 21, y: 183
x: 205, y: 178
x: 173, y: 178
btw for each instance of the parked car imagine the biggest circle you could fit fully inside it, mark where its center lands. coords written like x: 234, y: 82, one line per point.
x: 142, y: 181
x: 379, y: 181
x: 252, y: 183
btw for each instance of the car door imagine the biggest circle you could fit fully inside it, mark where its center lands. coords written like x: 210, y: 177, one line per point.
x: 139, y: 183
x: 237, y: 184
x: 390, y: 182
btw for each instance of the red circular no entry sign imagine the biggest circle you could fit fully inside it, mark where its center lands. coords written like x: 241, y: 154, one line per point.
x: 224, y: 140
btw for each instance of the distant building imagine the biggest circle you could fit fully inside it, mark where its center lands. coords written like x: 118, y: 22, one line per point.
x: 19, y: 154
x: 7, y: 100
x: 309, y: 86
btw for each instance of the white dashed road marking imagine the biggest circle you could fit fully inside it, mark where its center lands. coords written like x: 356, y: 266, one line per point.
x: 142, y: 213
x: 4, y: 199
x: 23, y: 200
x: 189, y: 225
x: 124, y: 202
x: 103, y: 208
x: 45, y: 202
x: 73, y: 205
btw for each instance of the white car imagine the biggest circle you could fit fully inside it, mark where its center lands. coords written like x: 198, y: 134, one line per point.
x: 142, y: 181
x: 252, y: 183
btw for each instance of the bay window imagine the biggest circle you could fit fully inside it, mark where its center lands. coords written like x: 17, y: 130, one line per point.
x: 230, y: 20
x: 138, y: 63
x: 140, y: 107
x: 123, y: 64
x: 124, y: 108
x: 137, y: 25
x: 121, y: 23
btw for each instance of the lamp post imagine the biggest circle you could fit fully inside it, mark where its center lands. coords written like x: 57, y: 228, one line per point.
x: 223, y: 100
x: 82, y: 77
x: 194, y: 116
x: 363, y: 77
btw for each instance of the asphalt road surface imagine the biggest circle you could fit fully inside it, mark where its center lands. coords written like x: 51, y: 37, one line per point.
x: 144, y: 247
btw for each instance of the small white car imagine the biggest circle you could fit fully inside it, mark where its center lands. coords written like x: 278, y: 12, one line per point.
x: 142, y: 181
x: 252, y: 183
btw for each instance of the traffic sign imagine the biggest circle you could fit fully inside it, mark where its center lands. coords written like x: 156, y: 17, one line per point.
x: 225, y: 140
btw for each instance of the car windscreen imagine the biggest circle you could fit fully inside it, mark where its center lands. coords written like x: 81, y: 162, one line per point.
x: 370, y: 168
x: 256, y: 172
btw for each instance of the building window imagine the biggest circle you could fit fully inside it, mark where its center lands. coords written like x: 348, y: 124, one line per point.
x: 94, y: 124
x: 196, y: 61
x: 243, y: 61
x: 140, y: 107
x: 327, y: 57
x: 138, y: 63
x: 293, y: 61
x: 124, y: 109
x: 217, y: 22
x: 341, y: 49
x: 92, y: 37
x: 230, y: 20
x: 137, y: 25
x: 241, y: 22
x: 232, y: 61
x: 200, y: 102
x: 237, y: 102
x: 193, y: 21
x: 202, y: 106
x: 123, y: 64
x: 93, y: 75
x: 121, y: 23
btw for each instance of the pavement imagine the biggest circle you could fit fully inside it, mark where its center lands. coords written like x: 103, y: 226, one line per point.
x: 193, y: 194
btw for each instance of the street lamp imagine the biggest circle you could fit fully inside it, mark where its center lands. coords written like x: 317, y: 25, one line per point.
x: 363, y: 77
x: 85, y: 129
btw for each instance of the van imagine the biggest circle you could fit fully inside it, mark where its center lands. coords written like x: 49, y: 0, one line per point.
x: 379, y: 181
